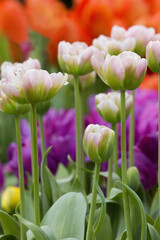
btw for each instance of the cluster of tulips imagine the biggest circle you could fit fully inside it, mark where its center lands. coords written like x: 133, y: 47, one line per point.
x: 117, y: 61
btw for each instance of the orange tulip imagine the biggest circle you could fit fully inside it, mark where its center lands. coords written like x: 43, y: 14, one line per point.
x: 45, y: 16
x: 13, y: 22
x: 150, y: 82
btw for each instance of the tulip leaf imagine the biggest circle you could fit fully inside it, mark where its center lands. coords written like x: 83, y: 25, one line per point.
x: 124, y: 235
x: 157, y: 225
x: 8, y: 237
x: 102, y: 213
x: 152, y: 233
x: 10, y: 226
x: 67, y: 216
x: 78, y: 187
x: 154, y: 206
x: 38, y: 232
x: 137, y: 213
x: 115, y: 176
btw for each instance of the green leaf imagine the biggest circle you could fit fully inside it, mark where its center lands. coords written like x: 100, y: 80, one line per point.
x: 37, y: 231
x: 10, y: 226
x: 8, y: 237
x: 154, y: 206
x: 157, y: 225
x: 67, y: 216
x: 102, y: 213
x: 54, y: 188
x: 115, y: 176
x: 137, y: 211
x: 124, y: 236
x: 78, y: 187
x: 152, y: 233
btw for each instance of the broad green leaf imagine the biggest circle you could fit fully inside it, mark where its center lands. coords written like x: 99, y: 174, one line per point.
x: 152, y: 233
x: 157, y: 225
x: 115, y: 176
x: 65, y: 182
x: 137, y: 211
x: 54, y: 188
x: 37, y: 231
x: 66, y: 217
x: 154, y: 207
x: 78, y: 187
x: 124, y: 236
x: 149, y: 219
x: 105, y: 229
x: 10, y: 226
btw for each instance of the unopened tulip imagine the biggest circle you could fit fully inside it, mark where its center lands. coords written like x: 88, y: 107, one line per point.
x: 75, y: 58
x: 10, y: 198
x: 112, y: 46
x: 109, y: 106
x: 123, y: 72
x: 9, y: 106
x: 143, y: 36
x: 153, y: 55
x: 118, y: 33
x: 98, y: 142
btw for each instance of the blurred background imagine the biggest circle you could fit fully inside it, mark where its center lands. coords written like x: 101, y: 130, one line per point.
x: 33, y: 28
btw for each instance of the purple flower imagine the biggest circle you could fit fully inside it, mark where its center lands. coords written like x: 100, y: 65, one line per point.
x: 59, y: 128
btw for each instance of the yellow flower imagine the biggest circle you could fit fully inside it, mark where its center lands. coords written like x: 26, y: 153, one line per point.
x: 10, y: 198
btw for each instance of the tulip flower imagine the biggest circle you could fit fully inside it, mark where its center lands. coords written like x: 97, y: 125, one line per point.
x: 98, y: 142
x: 10, y: 198
x: 75, y: 58
x: 153, y: 55
x: 109, y: 106
x: 143, y: 36
x: 123, y: 72
x: 118, y: 33
x: 9, y: 106
x: 113, y: 46
x: 26, y: 83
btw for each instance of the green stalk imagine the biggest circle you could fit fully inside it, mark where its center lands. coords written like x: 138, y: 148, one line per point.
x: 159, y: 142
x: 110, y: 169
x: 83, y: 164
x: 115, y: 152
x: 89, y: 235
x: 43, y: 145
x: 21, y: 175
x: 35, y: 170
x: 124, y: 167
x: 131, y: 134
x: 78, y: 127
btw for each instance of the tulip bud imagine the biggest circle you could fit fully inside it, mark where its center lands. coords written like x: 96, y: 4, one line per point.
x: 153, y: 55
x: 10, y: 198
x: 123, y: 72
x: 133, y: 178
x: 143, y: 36
x: 9, y: 106
x: 112, y: 46
x: 85, y: 81
x: 109, y: 106
x: 118, y: 33
x: 75, y: 58
x: 98, y: 142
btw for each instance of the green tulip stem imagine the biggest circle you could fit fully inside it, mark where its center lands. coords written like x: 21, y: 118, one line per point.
x: 131, y: 134
x: 159, y: 143
x: 110, y: 168
x: 78, y: 127
x: 43, y: 145
x: 115, y: 152
x: 35, y: 166
x: 89, y: 235
x: 83, y: 164
x: 21, y: 175
x: 124, y: 167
